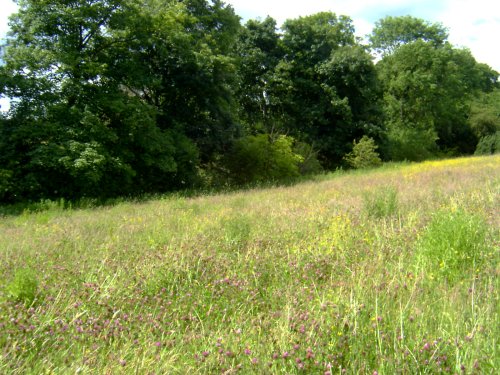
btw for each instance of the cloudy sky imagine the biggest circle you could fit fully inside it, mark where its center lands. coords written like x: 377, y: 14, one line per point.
x: 474, y: 24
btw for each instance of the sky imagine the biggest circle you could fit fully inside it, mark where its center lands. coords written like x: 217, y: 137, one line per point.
x: 474, y: 24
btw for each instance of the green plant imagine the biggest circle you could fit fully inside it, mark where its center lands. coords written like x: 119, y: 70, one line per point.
x: 237, y: 230
x: 451, y: 244
x: 310, y: 163
x: 364, y: 154
x: 23, y: 287
x: 489, y: 144
x: 259, y: 158
x: 381, y: 203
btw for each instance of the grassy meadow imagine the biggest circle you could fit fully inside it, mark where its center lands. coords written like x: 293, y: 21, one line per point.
x: 392, y: 270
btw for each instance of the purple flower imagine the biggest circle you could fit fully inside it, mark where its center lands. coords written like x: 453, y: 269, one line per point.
x: 248, y: 351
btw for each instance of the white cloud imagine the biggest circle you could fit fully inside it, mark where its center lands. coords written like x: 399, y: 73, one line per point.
x: 474, y: 24
x: 8, y: 7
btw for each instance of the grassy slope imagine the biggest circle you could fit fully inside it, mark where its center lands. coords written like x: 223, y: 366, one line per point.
x: 391, y: 270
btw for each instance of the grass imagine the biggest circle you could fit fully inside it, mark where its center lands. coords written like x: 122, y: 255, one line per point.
x: 393, y: 270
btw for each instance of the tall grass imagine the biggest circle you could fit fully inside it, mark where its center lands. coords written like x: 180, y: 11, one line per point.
x: 389, y: 271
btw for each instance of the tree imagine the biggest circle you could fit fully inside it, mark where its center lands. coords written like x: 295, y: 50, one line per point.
x: 114, y: 96
x: 260, y: 158
x: 363, y: 154
x: 484, y: 115
x: 427, y: 84
x: 326, y: 84
x: 259, y: 51
x: 390, y: 33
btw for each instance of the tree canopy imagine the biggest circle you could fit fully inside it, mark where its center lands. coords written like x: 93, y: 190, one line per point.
x: 124, y: 97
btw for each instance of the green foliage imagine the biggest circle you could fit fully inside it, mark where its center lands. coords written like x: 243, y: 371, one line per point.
x: 412, y: 144
x: 24, y: 286
x: 363, y: 154
x: 310, y: 163
x: 128, y: 97
x: 259, y: 158
x: 452, y: 244
x: 5, y: 183
x: 489, y: 144
x: 484, y: 118
x: 381, y: 203
x: 259, y: 50
x: 115, y: 97
x: 326, y: 85
x: 392, y: 32
x: 425, y: 101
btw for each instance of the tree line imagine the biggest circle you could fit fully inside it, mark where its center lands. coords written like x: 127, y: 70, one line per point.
x: 125, y: 97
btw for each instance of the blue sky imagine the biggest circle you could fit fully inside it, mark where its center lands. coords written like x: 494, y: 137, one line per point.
x: 474, y: 24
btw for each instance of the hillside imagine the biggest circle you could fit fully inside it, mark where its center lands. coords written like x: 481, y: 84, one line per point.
x: 382, y: 271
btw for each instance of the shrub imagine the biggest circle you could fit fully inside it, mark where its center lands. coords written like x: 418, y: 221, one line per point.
x: 259, y: 158
x: 23, y: 287
x: 5, y: 183
x: 411, y: 144
x: 489, y: 144
x: 310, y: 163
x: 363, y: 154
x: 451, y: 244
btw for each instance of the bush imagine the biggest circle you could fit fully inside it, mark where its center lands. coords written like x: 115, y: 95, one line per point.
x: 23, y: 287
x: 363, y: 154
x: 310, y: 163
x: 5, y: 183
x: 488, y: 145
x: 411, y: 144
x: 451, y: 244
x: 259, y: 158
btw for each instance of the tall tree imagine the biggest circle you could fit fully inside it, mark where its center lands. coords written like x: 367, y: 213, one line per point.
x: 327, y: 84
x: 390, y: 33
x: 426, y: 91
x: 114, y: 96
x: 259, y: 51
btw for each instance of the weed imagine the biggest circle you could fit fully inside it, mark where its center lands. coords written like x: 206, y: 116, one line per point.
x: 381, y: 203
x: 452, y: 244
x: 316, y: 278
x: 24, y: 286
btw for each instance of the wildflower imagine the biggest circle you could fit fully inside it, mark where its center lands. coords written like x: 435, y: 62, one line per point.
x: 248, y: 351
